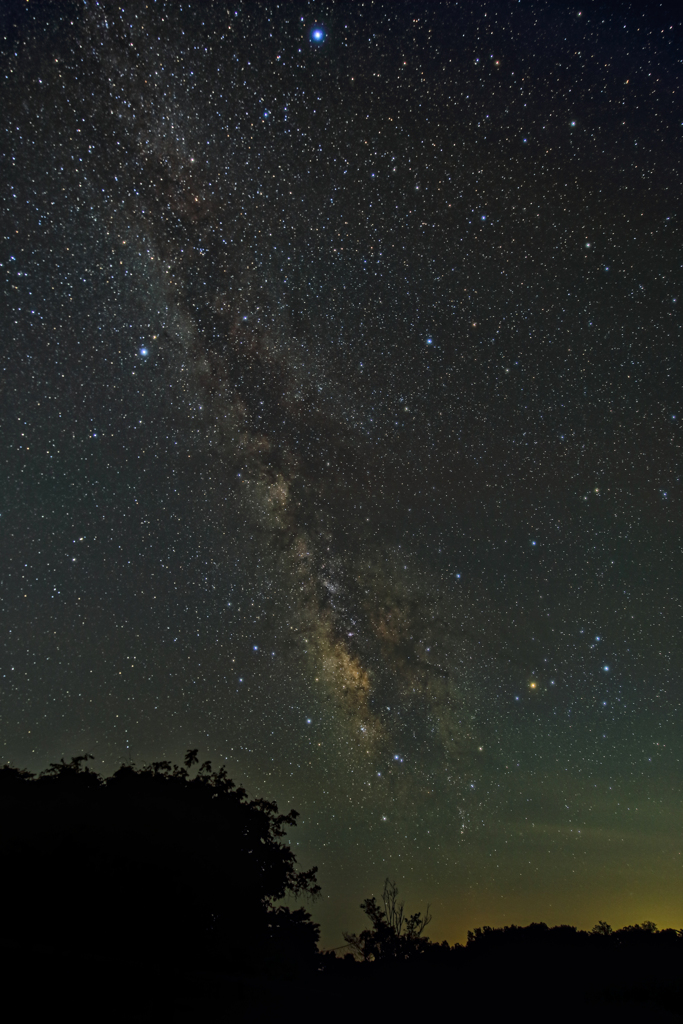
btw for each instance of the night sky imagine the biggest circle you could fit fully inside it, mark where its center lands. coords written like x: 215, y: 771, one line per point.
x: 341, y: 418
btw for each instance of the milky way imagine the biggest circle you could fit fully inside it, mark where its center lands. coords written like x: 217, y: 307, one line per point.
x: 276, y: 389
x: 343, y: 432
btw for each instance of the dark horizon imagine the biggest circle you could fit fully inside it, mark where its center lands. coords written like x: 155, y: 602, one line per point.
x: 97, y: 827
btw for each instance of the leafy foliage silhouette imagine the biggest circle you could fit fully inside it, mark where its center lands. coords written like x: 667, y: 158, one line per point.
x: 393, y: 935
x: 187, y: 865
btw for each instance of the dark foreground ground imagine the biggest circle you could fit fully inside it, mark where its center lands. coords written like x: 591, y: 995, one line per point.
x: 56, y: 983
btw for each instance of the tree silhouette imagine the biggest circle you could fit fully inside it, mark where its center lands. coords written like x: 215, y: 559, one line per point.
x: 393, y: 935
x: 186, y: 864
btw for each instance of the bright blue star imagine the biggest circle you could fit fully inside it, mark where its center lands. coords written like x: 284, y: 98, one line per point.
x: 144, y: 352
x: 317, y: 34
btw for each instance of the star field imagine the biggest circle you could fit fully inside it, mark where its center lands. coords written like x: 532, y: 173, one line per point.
x: 341, y: 406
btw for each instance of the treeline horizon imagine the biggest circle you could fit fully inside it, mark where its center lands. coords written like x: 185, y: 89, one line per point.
x: 161, y: 851
x: 163, y: 891
x: 394, y: 934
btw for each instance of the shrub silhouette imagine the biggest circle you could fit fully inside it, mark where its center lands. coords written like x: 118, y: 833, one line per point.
x: 393, y: 935
x: 184, y: 867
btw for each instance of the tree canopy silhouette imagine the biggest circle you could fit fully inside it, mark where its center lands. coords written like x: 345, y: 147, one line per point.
x: 183, y: 865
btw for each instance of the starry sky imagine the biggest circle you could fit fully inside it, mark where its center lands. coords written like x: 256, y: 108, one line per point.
x: 341, y: 404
